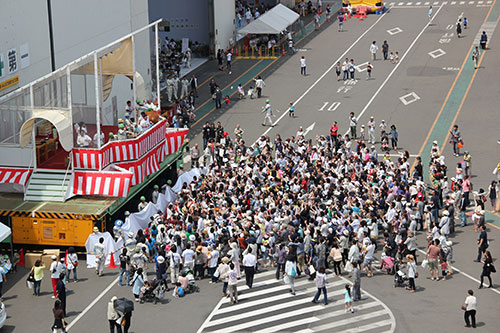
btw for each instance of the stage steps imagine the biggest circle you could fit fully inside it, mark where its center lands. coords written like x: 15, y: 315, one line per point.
x: 47, y: 185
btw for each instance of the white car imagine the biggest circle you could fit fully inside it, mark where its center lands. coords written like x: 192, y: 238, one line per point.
x: 3, y: 315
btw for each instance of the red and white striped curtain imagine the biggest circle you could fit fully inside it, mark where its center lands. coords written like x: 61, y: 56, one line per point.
x: 14, y: 176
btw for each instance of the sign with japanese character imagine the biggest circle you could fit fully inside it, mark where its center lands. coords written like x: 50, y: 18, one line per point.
x: 12, y: 61
x: 24, y: 50
x: 2, y: 65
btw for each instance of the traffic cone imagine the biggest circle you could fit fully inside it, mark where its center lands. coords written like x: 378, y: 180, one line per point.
x: 111, y: 262
x: 21, y: 258
x: 66, y: 258
x: 283, y: 51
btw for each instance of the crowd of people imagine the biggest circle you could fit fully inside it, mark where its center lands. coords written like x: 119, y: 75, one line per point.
x: 128, y: 127
x: 301, y: 207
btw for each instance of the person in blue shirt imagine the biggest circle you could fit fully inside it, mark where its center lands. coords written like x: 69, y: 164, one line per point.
x: 291, y: 110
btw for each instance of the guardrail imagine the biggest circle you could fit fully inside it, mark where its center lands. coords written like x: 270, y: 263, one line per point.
x: 119, y: 151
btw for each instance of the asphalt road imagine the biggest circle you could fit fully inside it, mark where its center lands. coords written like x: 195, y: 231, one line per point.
x: 435, y: 83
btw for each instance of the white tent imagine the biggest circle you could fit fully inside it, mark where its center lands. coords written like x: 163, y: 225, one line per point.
x: 272, y: 22
x: 4, y: 232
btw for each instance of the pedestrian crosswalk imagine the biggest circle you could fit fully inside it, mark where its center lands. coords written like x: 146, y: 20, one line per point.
x: 477, y: 3
x: 269, y: 307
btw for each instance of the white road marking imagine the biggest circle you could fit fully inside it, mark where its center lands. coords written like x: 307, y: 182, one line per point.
x: 328, y: 326
x: 343, y: 321
x: 409, y: 98
x: 362, y: 67
x: 489, y: 27
x: 94, y: 302
x: 453, y: 2
x: 263, y: 309
x: 326, y: 72
x: 426, y: 4
x: 309, y: 129
x: 462, y: 3
x: 368, y: 327
x: 437, y: 53
x: 249, y: 304
x: 466, y: 275
x: 418, y: 4
x: 394, y: 31
x: 394, y: 69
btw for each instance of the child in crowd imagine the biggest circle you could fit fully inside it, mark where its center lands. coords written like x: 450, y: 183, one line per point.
x: 227, y: 100
x: 348, y: 298
x: 241, y: 92
x: 250, y: 93
x: 291, y: 110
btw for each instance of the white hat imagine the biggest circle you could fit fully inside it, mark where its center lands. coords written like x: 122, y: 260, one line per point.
x: 160, y: 259
x: 127, y: 213
x: 446, y: 213
x: 449, y: 243
x: 53, y: 257
x: 435, y: 142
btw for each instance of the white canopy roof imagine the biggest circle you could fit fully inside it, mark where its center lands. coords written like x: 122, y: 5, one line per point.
x: 4, y: 232
x: 272, y: 22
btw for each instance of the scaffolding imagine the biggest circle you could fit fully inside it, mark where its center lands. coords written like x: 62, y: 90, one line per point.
x: 85, y: 90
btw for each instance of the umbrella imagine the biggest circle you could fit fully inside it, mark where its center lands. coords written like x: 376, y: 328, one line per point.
x: 124, y: 305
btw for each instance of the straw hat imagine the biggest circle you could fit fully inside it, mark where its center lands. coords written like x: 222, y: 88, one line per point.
x: 225, y: 260
x: 161, y: 259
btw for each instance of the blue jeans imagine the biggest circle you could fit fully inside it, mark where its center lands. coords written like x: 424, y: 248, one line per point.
x: 318, y: 293
x: 211, y: 271
x: 435, y: 215
x: 463, y: 218
x: 36, y: 288
x: 123, y: 271
x: 75, y: 276
x: 279, y: 269
x: 224, y: 288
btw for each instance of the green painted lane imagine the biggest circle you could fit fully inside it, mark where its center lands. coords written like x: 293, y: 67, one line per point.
x: 452, y: 106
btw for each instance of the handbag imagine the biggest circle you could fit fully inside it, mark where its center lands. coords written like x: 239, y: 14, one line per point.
x: 348, y: 267
x: 217, y: 273
x: 492, y: 269
x: 30, y: 284
x: 312, y: 270
x: 31, y: 277
x: 463, y: 307
x: 424, y: 263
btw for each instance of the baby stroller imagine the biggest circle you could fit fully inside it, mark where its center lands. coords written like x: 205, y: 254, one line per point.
x: 384, y: 144
x: 155, y: 292
x: 192, y: 287
x: 400, y: 277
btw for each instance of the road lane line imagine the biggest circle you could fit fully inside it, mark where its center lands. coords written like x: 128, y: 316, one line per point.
x: 395, y: 67
x: 443, y: 145
x: 447, y: 96
x: 94, y: 302
x: 466, y: 275
x: 324, y: 74
x: 260, y: 72
x: 393, y: 319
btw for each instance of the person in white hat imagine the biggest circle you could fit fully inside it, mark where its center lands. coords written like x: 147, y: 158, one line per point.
x: 444, y: 224
x: 55, y: 271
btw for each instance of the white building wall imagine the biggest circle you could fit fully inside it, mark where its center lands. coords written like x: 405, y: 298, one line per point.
x: 79, y: 27
x: 224, y: 23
